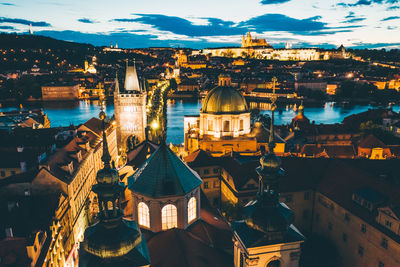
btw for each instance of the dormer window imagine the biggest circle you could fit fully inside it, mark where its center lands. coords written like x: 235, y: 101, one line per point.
x: 192, y: 209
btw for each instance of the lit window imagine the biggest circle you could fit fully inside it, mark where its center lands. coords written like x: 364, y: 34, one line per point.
x: 144, y: 216
x: 241, y: 125
x: 192, y: 209
x: 169, y: 217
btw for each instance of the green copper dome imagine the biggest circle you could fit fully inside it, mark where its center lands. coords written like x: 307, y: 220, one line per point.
x: 224, y: 100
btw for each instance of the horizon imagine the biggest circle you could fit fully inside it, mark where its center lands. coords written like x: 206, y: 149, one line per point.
x: 353, y: 23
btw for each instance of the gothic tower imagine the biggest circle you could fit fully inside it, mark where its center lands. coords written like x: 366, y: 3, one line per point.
x: 130, y: 109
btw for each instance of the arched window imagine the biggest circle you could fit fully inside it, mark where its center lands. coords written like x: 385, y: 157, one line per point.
x: 192, y: 214
x: 143, y: 214
x: 169, y: 217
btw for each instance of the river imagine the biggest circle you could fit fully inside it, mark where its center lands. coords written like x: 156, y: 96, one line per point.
x: 67, y: 113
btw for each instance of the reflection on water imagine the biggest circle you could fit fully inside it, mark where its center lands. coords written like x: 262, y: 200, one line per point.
x: 66, y: 113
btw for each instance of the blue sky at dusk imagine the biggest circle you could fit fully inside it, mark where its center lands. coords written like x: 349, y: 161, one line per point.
x: 209, y: 23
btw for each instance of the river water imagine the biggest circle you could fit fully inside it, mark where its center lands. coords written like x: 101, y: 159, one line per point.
x: 66, y: 113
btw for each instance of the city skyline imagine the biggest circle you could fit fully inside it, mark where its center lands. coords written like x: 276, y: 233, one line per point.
x: 358, y: 24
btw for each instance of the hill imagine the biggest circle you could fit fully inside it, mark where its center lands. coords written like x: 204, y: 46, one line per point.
x: 26, y: 41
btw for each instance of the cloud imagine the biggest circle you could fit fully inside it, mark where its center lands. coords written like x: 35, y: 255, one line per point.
x: 390, y: 18
x: 273, y: 2
x: 368, y: 3
x: 219, y: 27
x: 128, y: 40
x: 177, y: 25
x: 393, y: 8
x: 390, y: 28
x: 86, y: 20
x: 24, y: 22
x: 2, y: 27
x: 7, y: 4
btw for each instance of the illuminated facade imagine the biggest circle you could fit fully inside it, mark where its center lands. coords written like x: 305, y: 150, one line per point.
x: 130, y: 108
x: 223, y: 126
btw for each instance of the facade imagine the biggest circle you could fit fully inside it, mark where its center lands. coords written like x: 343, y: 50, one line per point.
x: 130, y: 108
x: 224, y: 123
x: 60, y: 92
x: 259, y: 48
x: 68, y: 173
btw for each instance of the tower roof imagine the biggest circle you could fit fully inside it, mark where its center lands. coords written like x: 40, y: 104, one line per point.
x: 164, y: 174
x: 131, y: 79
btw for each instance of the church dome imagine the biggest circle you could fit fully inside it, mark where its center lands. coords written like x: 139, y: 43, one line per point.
x: 224, y: 100
x: 107, y: 176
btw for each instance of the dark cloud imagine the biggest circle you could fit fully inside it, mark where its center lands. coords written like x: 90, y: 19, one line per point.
x: 24, y: 22
x: 390, y: 18
x: 218, y: 27
x: 273, y: 2
x: 86, y: 20
x: 7, y: 4
x: 393, y: 8
x: 2, y: 27
x: 182, y: 26
x: 127, y: 40
x: 353, y: 20
x: 368, y: 3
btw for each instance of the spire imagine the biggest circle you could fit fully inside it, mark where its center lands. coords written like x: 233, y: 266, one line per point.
x: 131, y: 79
x: 271, y: 142
x: 116, y: 83
x: 106, y: 158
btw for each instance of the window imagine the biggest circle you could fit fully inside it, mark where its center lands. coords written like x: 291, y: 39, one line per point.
x: 216, y: 184
x: 384, y: 242
x: 206, y: 171
x: 306, y: 195
x: 192, y: 209
x: 215, y: 170
x: 330, y: 226
x: 388, y: 224
x: 3, y: 173
x: 210, y: 125
x: 360, y: 250
x: 241, y: 125
x: 143, y: 214
x: 226, y: 126
x: 381, y: 264
x: 363, y: 228
x: 13, y: 172
x: 205, y: 185
x: 347, y: 217
x: 169, y: 217
x: 344, y: 237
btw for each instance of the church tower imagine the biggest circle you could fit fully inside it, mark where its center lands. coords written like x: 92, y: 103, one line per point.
x: 113, y: 240
x: 130, y: 108
x: 267, y: 236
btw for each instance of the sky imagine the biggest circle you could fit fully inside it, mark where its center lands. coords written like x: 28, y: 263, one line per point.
x: 208, y: 23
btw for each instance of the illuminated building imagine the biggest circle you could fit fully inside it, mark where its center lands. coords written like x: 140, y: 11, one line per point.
x: 112, y: 241
x: 180, y: 227
x: 60, y: 92
x: 260, y: 48
x: 130, y: 108
x: 223, y: 126
x: 248, y: 41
